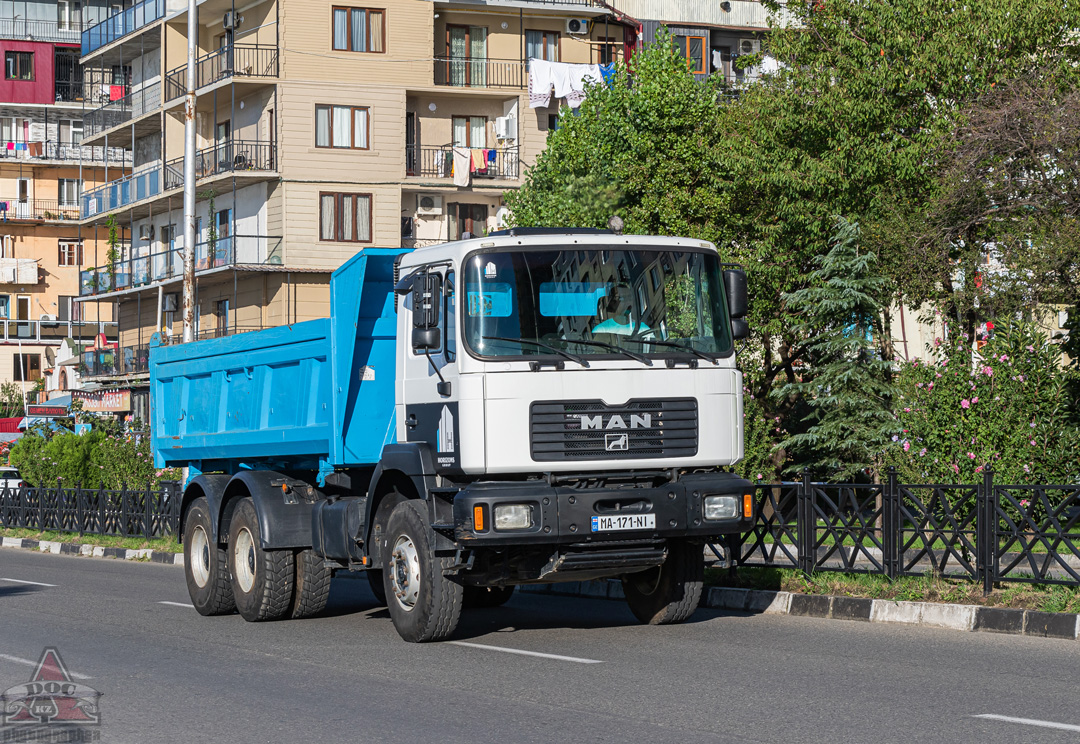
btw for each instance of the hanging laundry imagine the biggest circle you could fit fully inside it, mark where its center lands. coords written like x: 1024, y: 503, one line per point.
x: 20, y: 145
x: 539, y: 83
x: 462, y: 161
x: 717, y: 60
x: 479, y: 160
x: 608, y: 73
x: 580, y: 76
x: 492, y: 156
x: 11, y: 145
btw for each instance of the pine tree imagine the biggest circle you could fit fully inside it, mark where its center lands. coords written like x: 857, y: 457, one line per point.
x: 847, y: 388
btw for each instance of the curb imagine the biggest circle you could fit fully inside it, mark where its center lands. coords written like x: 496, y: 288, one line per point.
x: 971, y: 618
x: 95, y: 551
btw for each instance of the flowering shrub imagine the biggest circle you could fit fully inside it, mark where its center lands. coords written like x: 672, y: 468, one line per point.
x: 1006, y: 407
x: 94, y: 460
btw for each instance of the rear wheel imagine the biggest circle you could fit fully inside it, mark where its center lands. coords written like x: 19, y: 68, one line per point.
x: 424, y: 604
x: 312, y: 585
x: 262, y: 580
x: 487, y: 596
x: 206, y: 565
x: 669, y: 593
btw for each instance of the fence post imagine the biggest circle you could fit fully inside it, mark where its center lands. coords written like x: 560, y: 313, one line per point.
x: 988, y: 531
x: 124, y: 510
x: 80, y: 507
x: 101, y: 509
x: 890, y: 524
x: 147, y: 522
x: 806, y: 524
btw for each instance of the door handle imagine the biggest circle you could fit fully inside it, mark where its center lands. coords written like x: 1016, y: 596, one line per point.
x: 411, y: 421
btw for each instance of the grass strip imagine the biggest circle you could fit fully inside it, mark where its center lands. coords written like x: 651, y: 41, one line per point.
x: 163, y: 544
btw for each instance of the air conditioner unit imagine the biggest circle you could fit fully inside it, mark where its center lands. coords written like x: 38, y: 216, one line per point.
x: 749, y: 46
x: 577, y: 25
x: 169, y: 304
x: 231, y: 20
x: 506, y: 128
x: 429, y: 203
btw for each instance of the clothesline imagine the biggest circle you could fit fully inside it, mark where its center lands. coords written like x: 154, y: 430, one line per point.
x: 567, y: 80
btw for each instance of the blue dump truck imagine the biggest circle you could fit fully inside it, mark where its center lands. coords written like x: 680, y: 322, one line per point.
x: 529, y: 407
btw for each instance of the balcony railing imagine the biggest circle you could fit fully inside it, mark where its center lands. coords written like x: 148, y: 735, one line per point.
x: 226, y: 157
x: 122, y: 192
x: 481, y: 73
x: 115, y: 113
x: 36, y: 209
x: 123, y: 360
x: 78, y: 91
x: 164, y: 265
x: 120, y: 25
x: 51, y: 331
x: 48, y: 31
x: 438, y: 162
x: 59, y: 151
x: 238, y: 60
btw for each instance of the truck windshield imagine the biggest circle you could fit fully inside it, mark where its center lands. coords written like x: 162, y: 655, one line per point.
x: 595, y: 303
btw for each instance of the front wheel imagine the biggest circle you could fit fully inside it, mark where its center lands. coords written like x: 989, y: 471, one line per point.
x: 424, y: 604
x: 262, y: 580
x: 669, y: 593
x: 206, y: 565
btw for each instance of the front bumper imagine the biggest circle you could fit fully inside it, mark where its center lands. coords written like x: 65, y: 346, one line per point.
x: 563, y: 515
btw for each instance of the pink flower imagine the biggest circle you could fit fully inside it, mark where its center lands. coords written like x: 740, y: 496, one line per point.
x: 1020, y: 378
x: 760, y: 476
x: 971, y: 455
x: 1032, y: 442
x: 907, y: 410
x: 1031, y: 348
x: 965, y: 403
x: 956, y: 468
x: 989, y: 372
x: 1003, y: 358
x: 922, y: 452
x: 907, y: 446
x: 975, y: 400
x: 1024, y: 502
x: 979, y: 469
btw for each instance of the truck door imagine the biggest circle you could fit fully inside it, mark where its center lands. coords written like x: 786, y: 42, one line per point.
x: 430, y: 382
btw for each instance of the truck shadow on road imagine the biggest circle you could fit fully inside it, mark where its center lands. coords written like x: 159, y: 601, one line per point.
x: 11, y: 591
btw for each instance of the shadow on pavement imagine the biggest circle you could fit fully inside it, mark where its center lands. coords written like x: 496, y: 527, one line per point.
x: 11, y: 591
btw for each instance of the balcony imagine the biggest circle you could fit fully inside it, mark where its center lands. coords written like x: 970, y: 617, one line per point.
x: 123, y: 360
x: 463, y: 72
x: 122, y: 110
x: 77, y: 91
x: 122, y: 192
x: 238, y: 61
x: 39, y: 210
x: 437, y: 162
x: 232, y: 156
x: 120, y: 25
x: 48, y: 31
x: 168, y: 265
x: 117, y: 156
x: 51, y: 331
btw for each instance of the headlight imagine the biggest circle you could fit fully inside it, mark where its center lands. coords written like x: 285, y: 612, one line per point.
x: 721, y: 507
x: 513, y: 517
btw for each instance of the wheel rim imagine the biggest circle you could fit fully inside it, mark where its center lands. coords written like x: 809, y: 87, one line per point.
x: 244, y: 560
x: 405, y: 572
x: 647, y: 582
x: 200, y: 557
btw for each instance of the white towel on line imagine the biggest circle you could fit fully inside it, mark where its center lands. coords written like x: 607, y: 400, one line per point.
x: 462, y: 161
x: 539, y: 83
x: 580, y: 75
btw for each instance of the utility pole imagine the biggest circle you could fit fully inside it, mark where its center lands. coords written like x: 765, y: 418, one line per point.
x: 189, y: 176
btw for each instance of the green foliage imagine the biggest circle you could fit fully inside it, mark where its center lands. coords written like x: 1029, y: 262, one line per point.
x: 1006, y: 408
x: 848, y: 390
x: 762, y: 434
x: 11, y: 400
x: 680, y: 297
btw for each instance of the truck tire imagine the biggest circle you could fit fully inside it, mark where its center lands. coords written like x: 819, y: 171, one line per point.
x: 262, y: 580
x: 312, y: 585
x: 375, y: 580
x: 206, y: 564
x: 479, y: 597
x: 669, y: 593
x: 424, y: 604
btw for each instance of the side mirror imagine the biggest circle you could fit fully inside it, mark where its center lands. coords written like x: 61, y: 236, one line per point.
x: 740, y: 329
x: 426, y: 339
x: 426, y: 296
x: 735, y: 286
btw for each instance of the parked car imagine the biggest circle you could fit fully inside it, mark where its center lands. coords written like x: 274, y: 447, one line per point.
x: 10, y: 478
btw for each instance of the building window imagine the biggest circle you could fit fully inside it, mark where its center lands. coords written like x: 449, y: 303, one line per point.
x: 68, y: 189
x: 359, y: 30
x: 5, y: 306
x: 71, y: 131
x: 222, y: 313
x: 609, y: 49
x: 693, y: 48
x: 341, y: 126
x: 345, y: 217
x: 67, y: 308
x: 467, y: 55
x: 19, y: 65
x: 542, y: 45
x: 27, y: 367
x: 69, y: 15
x: 470, y: 131
x: 71, y: 253
x: 14, y: 129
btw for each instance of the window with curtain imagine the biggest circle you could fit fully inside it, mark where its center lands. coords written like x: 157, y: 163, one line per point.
x: 359, y: 29
x: 68, y: 189
x: 71, y: 253
x: 467, y: 61
x: 19, y: 65
x: 693, y: 48
x: 470, y: 131
x: 345, y: 218
x: 542, y: 45
x: 341, y: 126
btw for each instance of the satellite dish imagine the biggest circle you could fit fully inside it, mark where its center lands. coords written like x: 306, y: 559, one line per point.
x: 50, y: 356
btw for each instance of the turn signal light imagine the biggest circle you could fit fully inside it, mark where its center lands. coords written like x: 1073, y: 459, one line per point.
x: 478, y: 518
x: 748, y: 505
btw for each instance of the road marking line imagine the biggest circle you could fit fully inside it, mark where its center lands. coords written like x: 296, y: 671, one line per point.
x: 27, y: 662
x: 20, y: 581
x: 1030, y: 722
x: 526, y: 653
x: 178, y: 604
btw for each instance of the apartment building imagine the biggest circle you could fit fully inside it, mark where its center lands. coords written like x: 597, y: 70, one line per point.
x: 43, y: 168
x: 323, y: 127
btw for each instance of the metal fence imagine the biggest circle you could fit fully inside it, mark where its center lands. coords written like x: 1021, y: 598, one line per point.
x: 984, y: 532
x: 145, y: 513
x: 235, y: 60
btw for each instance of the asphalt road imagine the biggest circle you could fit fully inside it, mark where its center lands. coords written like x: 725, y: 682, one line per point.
x: 169, y: 675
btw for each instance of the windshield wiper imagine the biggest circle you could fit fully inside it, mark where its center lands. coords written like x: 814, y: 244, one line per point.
x: 542, y: 345
x: 675, y: 345
x: 614, y: 347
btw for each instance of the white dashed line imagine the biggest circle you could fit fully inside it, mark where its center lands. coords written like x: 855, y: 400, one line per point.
x: 557, y: 657
x: 1030, y: 722
x: 27, y: 662
x: 20, y: 581
x: 178, y: 604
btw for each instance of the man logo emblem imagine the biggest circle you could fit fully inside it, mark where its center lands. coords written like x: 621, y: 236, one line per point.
x: 616, y: 442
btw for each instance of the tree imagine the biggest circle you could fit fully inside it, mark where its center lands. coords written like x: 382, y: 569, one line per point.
x: 848, y: 388
x: 11, y: 400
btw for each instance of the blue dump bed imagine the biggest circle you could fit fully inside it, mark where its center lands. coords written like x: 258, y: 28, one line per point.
x: 316, y: 394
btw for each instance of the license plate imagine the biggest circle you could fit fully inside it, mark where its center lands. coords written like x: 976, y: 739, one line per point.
x: 627, y: 522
